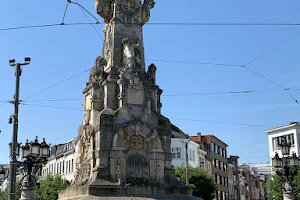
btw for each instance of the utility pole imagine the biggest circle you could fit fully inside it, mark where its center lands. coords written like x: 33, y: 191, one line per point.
x: 14, y: 143
x: 187, y: 164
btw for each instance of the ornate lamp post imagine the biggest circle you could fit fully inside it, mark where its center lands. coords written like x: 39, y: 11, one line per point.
x: 286, y: 162
x: 34, y: 155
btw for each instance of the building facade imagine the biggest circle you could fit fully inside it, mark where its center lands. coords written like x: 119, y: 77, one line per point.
x: 62, y: 161
x: 217, y: 153
x: 291, y: 133
x: 203, y: 150
x: 253, y: 186
x: 233, y: 162
x: 178, y: 150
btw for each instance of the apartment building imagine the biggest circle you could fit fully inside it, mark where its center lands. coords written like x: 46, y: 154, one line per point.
x: 291, y: 133
x: 233, y: 164
x: 62, y: 161
x: 217, y: 153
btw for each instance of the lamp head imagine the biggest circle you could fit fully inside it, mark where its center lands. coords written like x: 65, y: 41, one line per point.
x: 12, y: 62
x: 27, y: 60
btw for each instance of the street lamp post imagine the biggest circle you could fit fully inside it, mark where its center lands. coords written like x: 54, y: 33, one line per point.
x: 16, y: 102
x: 286, y: 162
x: 34, y: 155
x: 186, y: 161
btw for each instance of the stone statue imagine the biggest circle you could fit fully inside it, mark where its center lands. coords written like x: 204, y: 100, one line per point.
x: 97, y: 72
x: 105, y: 9
x: 151, y: 73
x: 130, y: 11
x: 131, y: 54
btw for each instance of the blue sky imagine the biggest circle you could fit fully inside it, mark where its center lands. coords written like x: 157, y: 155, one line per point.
x: 60, y: 52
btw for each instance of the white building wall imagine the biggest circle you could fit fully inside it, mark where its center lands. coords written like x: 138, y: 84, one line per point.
x: 283, y: 131
x: 179, y: 144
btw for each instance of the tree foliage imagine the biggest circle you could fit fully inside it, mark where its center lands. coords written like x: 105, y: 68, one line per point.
x: 275, y: 185
x: 202, y: 184
x: 4, y: 194
x: 49, y: 188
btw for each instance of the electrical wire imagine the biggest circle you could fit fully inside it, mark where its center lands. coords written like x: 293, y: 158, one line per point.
x: 253, y: 144
x: 220, y: 122
x: 156, y: 23
x: 272, y: 49
x: 82, y: 9
x: 170, y: 95
x: 206, y: 121
x: 47, y: 106
x: 2, y: 132
x: 194, y: 62
x: 264, y: 77
x: 56, y: 84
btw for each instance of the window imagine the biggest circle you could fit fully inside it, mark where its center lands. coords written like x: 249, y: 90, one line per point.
x: 225, y: 167
x: 63, y: 167
x: 69, y: 166
x: 220, y: 180
x: 176, y: 152
x: 212, y: 147
x: 193, y: 155
x: 277, y: 141
x: 72, y: 166
x: 216, y: 163
x: 221, y: 165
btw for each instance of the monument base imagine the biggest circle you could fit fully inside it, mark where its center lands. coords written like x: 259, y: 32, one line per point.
x: 105, y: 190
x: 169, y: 197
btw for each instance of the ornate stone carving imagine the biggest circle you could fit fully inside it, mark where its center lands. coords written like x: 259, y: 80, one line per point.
x: 108, y: 42
x: 97, y: 74
x: 83, y: 173
x: 131, y: 54
x: 129, y: 11
x: 105, y: 9
x: 151, y: 74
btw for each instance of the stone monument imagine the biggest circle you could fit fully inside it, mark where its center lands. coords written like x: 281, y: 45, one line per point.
x: 123, y: 149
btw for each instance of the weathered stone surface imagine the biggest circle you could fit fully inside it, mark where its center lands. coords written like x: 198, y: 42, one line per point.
x: 124, y: 141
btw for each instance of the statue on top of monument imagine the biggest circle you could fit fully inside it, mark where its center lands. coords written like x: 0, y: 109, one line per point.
x: 129, y: 11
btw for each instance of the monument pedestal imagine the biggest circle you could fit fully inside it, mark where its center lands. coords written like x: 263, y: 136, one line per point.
x: 125, y: 192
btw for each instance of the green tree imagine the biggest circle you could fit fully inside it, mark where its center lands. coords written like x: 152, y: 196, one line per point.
x: 202, y: 184
x: 49, y: 188
x: 275, y: 185
x: 4, y: 194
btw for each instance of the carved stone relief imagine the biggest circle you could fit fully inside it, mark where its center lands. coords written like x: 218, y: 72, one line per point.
x: 83, y: 173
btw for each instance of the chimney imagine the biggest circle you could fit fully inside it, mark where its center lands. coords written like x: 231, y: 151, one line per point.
x: 291, y: 123
x: 199, y: 136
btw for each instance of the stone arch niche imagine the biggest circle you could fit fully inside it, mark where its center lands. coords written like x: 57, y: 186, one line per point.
x: 137, y: 165
x: 137, y: 155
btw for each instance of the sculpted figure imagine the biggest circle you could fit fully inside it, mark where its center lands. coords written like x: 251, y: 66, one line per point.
x: 128, y: 10
x: 151, y: 73
x: 105, y: 9
x: 131, y: 54
x: 97, y: 72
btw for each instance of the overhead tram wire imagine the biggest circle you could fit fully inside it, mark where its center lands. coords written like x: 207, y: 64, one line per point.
x: 172, y: 95
x: 193, y: 62
x: 84, y: 12
x: 272, y: 49
x: 198, y: 120
x: 154, y: 23
x: 54, y: 107
x: 284, y: 88
x: 219, y: 122
x: 56, y: 84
